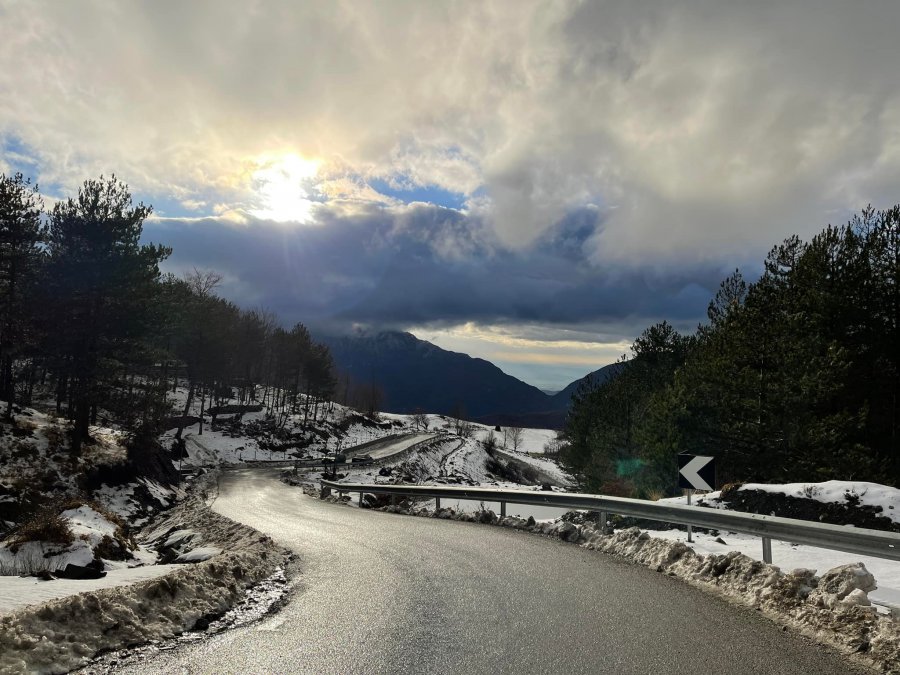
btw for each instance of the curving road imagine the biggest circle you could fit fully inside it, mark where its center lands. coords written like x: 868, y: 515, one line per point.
x: 385, y: 593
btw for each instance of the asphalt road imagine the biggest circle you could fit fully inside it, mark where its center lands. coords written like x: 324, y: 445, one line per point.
x: 385, y: 593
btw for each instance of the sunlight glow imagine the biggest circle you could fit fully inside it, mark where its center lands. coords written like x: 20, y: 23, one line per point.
x: 283, y: 185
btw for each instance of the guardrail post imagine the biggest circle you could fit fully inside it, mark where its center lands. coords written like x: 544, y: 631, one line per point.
x: 437, y: 503
x: 767, y: 550
x: 503, y: 509
x: 604, y: 519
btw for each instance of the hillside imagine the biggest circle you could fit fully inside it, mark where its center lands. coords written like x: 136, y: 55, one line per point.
x: 560, y: 400
x: 407, y: 369
x: 417, y: 374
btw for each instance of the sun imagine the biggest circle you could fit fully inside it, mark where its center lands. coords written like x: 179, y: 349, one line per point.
x: 282, y: 184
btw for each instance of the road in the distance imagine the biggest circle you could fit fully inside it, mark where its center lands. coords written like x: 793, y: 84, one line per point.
x: 385, y: 593
x: 395, y: 446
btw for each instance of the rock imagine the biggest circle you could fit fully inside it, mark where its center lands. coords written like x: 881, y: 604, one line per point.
x: 719, y: 540
x: 530, y: 522
x: 568, y: 532
x: 369, y: 501
x: 44, y: 575
x: 546, y: 487
x: 88, y: 571
x: 487, y: 517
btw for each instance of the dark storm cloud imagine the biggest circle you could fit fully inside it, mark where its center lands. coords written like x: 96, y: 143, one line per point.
x: 429, y: 266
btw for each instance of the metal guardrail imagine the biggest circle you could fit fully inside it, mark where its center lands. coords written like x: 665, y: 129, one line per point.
x: 849, y: 539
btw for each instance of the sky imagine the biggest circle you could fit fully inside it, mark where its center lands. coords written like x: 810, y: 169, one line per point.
x: 533, y: 183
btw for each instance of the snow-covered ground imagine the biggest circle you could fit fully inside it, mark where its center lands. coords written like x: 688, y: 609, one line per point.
x: 790, y: 556
x: 532, y: 441
x: 448, y: 459
x: 18, y: 592
x: 138, y: 605
x: 337, y: 427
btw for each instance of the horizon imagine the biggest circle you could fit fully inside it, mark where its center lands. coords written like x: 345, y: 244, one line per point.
x: 526, y: 183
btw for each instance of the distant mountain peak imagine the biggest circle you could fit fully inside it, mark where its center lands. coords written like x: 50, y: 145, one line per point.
x: 417, y: 374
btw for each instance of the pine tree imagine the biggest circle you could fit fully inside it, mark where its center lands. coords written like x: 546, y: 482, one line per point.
x: 21, y: 237
x: 101, y: 285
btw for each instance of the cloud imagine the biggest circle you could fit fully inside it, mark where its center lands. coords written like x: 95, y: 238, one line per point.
x: 700, y: 132
x: 607, y: 162
x: 423, y: 265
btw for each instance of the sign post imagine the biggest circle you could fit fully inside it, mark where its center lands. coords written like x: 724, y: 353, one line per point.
x: 695, y: 472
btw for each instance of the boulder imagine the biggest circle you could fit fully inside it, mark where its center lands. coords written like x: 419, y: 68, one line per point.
x: 568, y: 532
x: 488, y: 517
x: 93, y: 570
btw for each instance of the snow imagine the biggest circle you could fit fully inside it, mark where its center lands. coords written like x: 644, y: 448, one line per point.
x: 533, y: 440
x: 838, y: 491
x: 133, y: 606
x: 87, y: 524
x: 214, y: 447
x: 199, y: 554
x: 36, y: 453
x: 178, y: 538
x: 124, y: 501
x: 550, y: 469
x: 789, y: 557
x: 33, y: 556
x: 18, y: 592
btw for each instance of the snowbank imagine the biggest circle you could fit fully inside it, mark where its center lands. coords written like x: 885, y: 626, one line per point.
x: 886, y: 498
x: 64, y: 634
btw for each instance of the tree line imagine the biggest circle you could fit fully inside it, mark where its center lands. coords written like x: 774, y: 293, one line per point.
x: 87, y: 316
x: 794, y: 377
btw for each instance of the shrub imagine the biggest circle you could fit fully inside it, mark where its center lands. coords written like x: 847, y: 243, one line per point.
x: 45, y: 525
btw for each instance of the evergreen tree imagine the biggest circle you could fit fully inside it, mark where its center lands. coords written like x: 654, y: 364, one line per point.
x: 21, y: 237
x: 101, y: 286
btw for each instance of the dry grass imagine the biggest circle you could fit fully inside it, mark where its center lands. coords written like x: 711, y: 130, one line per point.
x: 728, y: 489
x: 45, y: 525
x: 48, y: 525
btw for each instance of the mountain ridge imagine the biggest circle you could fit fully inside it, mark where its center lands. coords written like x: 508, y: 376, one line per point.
x: 407, y: 369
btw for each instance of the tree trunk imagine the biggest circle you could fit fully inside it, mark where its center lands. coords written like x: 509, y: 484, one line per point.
x: 10, y: 387
x: 202, y: 403
x: 187, y: 407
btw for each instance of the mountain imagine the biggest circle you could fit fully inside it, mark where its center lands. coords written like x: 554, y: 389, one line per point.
x: 415, y: 374
x: 562, y: 399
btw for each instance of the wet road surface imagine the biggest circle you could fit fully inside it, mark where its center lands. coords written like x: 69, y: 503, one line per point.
x: 384, y: 593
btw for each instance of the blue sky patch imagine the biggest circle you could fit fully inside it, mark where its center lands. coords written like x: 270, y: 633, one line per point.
x: 421, y: 193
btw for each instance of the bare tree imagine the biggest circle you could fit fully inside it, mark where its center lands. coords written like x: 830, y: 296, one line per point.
x: 465, y: 429
x: 202, y: 282
x: 420, y: 419
x: 553, y: 446
x: 513, y: 436
x: 460, y: 425
x: 373, y: 397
